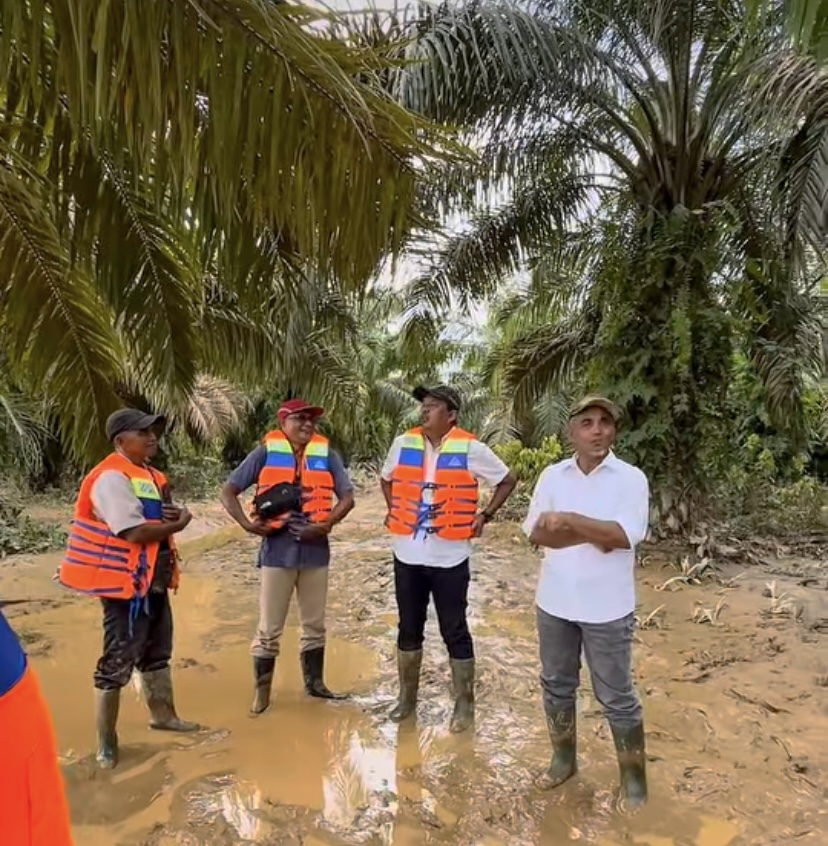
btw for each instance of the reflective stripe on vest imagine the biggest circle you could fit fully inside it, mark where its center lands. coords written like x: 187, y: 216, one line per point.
x: 314, y: 475
x: 450, y: 510
x: 98, y: 562
x: 12, y: 657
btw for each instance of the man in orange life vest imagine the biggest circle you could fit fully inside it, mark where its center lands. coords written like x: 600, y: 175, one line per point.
x: 120, y: 550
x: 430, y: 482
x: 32, y: 802
x: 302, y: 492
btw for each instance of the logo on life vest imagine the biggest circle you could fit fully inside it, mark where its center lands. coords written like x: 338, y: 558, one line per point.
x: 144, y: 489
x: 455, y: 462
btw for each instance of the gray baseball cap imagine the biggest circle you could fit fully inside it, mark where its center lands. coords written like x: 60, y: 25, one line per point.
x: 131, y: 420
x: 444, y: 393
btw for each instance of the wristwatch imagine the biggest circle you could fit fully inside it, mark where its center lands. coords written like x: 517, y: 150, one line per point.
x: 487, y: 516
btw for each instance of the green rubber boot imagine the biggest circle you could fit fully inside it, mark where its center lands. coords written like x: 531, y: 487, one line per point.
x: 107, y: 705
x: 408, y: 667
x: 632, y: 763
x: 158, y: 690
x: 563, y: 726
x: 462, y: 682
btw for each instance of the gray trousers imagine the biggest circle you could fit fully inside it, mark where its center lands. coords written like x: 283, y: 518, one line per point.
x: 608, y: 650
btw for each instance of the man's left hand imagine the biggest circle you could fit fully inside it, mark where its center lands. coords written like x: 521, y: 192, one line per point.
x: 479, y: 524
x: 310, y: 531
x: 170, y: 513
x: 553, y: 521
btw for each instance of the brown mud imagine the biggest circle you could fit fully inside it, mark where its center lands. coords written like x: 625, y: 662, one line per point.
x: 733, y: 672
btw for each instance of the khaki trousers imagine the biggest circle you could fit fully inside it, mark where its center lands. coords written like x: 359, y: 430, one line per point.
x: 277, y: 586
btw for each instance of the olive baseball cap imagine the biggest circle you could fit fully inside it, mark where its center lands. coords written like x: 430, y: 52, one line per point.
x: 444, y: 393
x: 131, y: 420
x: 595, y: 402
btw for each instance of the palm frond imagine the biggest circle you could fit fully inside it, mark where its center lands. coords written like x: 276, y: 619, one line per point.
x: 221, y: 113
x: 214, y: 409
x: 547, y: 357
x: 56, y: 329
x: 23, y: 431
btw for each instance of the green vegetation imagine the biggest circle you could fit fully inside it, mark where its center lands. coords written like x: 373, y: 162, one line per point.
x: 19, y: 533
x: 200, y: 207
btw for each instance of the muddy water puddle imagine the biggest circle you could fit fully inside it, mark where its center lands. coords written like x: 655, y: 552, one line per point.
x: 737, y: 717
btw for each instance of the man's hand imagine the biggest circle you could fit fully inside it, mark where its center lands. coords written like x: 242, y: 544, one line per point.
x: 184, y: 517
x: 310, y: 531
x: 479, y: 524
x: 259, y: 527
x: 554, y: 521
x: 170, y: 513
x: 560, y: 529
x: 553, y: 530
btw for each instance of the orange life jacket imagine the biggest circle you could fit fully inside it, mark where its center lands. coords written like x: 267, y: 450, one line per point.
x: 451, y: 511
x: 100, y: 563
x: 33, y: 805
x: 313, y: 475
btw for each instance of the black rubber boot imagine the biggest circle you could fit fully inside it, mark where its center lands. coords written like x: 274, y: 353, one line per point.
x: 263, y: 672
x: 313, y: 665
x: 632, y: 763
x: 107, y: 704
x: 408, y: 668
x: 563, y: 727
x: 159, y: 693
x: 462, y: 683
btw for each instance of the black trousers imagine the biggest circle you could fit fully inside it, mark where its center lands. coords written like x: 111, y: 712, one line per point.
x: 147, y: 648
x: 414, y: 585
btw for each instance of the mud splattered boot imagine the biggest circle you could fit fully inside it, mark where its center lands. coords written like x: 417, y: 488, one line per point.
x: 107, y: 704
x: 562, y: 724
x: 263, y: 671
x: 313, y: 667
x: 408, y: 667
x: 462, y: 682
x: 629, y: 745
x: 159, y: 693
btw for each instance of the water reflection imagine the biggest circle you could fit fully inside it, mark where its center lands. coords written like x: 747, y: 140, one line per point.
x: 238, y: 803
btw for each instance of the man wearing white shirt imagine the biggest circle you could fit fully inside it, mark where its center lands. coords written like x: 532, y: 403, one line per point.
x: 590, y: 512
x: 430, y: 481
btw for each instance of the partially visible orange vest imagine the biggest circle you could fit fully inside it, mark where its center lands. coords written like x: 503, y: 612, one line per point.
x: 99, y: 563
x: 452, y: 507
x: 313, y: 475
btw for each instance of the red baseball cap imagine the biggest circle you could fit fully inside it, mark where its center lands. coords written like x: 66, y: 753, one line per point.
x: 297, y: 406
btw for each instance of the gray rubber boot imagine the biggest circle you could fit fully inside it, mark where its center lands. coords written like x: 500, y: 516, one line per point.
x: 263, y: 672
x: 313, y: 670
x: 107, y: 704
x: 462, y: 683
x: 632, y: 763
x: 563, y: 727
x: 158, y: 690
x: 408, y: 668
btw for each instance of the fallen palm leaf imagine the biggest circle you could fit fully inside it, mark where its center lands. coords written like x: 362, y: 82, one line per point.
x: 709, y: 615
x: 651, y: 620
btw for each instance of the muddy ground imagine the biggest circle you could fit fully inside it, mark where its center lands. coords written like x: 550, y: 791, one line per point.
x: 733, y: 673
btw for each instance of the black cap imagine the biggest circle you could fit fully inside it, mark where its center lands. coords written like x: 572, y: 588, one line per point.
x: 131, y: 420
x: 445, y: 393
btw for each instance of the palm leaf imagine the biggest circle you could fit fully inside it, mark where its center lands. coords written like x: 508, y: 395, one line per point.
x: 56, y: 329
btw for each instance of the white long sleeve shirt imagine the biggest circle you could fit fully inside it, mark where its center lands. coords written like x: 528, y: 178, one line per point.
x: 582, y: 583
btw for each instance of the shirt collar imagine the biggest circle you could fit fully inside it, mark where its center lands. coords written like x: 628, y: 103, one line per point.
x: 443, y: 440
x: 609, y: 462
